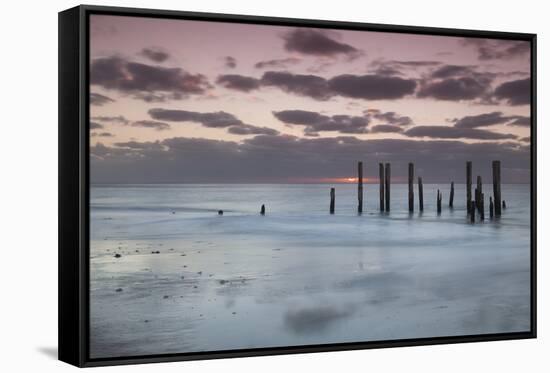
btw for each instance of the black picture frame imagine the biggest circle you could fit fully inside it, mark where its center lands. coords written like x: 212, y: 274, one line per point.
x: 74, y: 185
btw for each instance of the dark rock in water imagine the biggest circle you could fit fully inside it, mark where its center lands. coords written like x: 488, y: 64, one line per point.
x: 504, y: 204
x: 182, y: 277
x: 173, y: 212
x: 118, y: 255
x: 166, y: 297
x: 262, y: 210
x: 220, y: 212
x: 118, y: 290
x: 155, y: 252
x: 199, y: 272
x: 183, y: 255
x: 234, y: 313
x: 223, y: 282
x: 194, y: 287
x: 145, y: 320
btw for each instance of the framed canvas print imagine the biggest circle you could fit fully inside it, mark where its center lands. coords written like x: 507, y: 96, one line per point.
x: 238, y: 186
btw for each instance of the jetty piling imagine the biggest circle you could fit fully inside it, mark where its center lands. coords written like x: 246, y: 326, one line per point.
x: 360, y: 187
x: 491, y: 208
x: 438, y: 202
x: 262, y: 210
x: 452, y: 194
x: 382, y: 181
x: 387, y: 185
x: 479, y: 192
x: 420, y: 195
x: 504, y: 205
x: 332, y: 198
x: 482, y: 207
x: 411, y: 186
x: 496, y: 188
x: 468, y: 185
x: 473, y: 213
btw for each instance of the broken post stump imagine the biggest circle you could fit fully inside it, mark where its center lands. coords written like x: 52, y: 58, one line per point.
x: 387, y: 185
x: 491, y: 207
x: 262, y: 210
x: 438, y: 202
x: 411, y: 185
x: 381, y: 176
x: 220, y: 212
x: 420, y: 195
x: 496, y: 188
x: 452, y: 194
x: 360, y: 187
x: 332, y: 197
x: 504, y: 205
x: 468, y: 185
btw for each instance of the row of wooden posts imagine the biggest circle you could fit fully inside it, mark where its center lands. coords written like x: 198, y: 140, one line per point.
x: 477, y: 204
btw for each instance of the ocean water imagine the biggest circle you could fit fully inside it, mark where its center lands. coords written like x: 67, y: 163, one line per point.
x: 188, y: 280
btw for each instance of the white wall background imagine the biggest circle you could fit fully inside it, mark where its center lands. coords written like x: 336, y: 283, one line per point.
x: 28, y: 187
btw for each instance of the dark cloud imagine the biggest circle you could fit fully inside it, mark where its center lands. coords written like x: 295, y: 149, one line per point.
x: 516, y: 92
x: 136, y: 78
x: 111, y: 119
x: 155, y: 54
x: 285, y: 158
x: 390, y: 117
x: 491, y: 49
x: 159, y: 126
x: 385, y: 128
x: 397, y: 67
x: 238, y: 82
x: 455, y: 89
x: 247, y: 129
x: 441, y: 132
x: 99, y: 100
x: 303, y: 85
x: 219, y: 119
x: 456, y: 83
x: 315, y: 122
x: 317, y: 43
x: 371, y: 87
x: 230, y: 62
x: 95, y: 126
x: 278, y: 63
x: 482, y: 120
x: 449, y: 71
x: 520, y: 121
x: 526, y: 139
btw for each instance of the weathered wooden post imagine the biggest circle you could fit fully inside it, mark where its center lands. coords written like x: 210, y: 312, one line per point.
x: 220, y: 212
x: 482, y: 206
x: 262, y: 210
x: 503, y: 205
x: 420, y: 195
x: 479, y: 190
x: 491, y: 207
x: 473, y: 212
x: 496, y: 188
x: 438, y: 202
x: 332, y: 197
x: 382, y: 181
x: 411, y: 186
x: 468, y: 185
x: 360, y: 187
x: 452, y: 194
x: 387, y: 186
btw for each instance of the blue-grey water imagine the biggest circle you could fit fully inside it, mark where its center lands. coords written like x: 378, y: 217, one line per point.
x: 188, y: 280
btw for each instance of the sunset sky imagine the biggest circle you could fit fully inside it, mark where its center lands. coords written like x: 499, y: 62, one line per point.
x: 189, y: 101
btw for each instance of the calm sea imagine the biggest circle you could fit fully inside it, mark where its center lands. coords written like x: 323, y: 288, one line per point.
x: 190, y: 280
